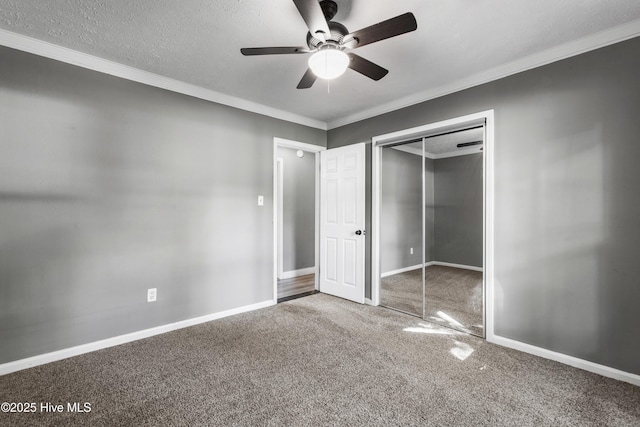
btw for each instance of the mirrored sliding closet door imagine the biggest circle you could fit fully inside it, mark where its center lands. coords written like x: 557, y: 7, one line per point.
x: 431, y: 228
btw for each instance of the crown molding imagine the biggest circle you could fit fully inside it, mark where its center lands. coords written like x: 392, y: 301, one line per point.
x: 576, y: 47
x: 73, y: 57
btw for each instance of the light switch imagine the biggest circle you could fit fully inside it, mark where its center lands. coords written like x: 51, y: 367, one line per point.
x: 260, y: 200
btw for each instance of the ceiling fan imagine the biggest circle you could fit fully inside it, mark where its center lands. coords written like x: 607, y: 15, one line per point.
x: 330, y: 42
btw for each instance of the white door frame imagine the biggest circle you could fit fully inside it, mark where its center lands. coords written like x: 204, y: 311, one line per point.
x: 278, y: 199
x: 379, y: 141
x: 296, y: 145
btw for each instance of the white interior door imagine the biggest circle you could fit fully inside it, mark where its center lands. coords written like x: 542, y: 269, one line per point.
x: 342, y: 234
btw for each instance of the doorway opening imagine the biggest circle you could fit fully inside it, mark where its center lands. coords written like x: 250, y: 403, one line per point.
x: 451, y: 204
x: 296, y: 224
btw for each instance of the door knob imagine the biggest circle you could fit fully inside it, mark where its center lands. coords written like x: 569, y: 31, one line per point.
x: 359, y: 232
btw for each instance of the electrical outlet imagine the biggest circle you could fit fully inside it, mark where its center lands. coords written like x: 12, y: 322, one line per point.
x: 260, y: 201
x: 410, y: 251
x: 152, y: 294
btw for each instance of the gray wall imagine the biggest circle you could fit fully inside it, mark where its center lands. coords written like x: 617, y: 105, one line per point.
x: 429, y: 210
x: 458, y: 205
x: 109, y: 187
x: 299, y: 209
x: 566, y: 205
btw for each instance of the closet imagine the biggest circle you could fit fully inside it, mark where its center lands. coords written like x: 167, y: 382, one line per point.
x: 431, y: 213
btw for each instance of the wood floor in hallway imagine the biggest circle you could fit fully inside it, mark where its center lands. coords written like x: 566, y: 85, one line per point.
x: 296, y: 285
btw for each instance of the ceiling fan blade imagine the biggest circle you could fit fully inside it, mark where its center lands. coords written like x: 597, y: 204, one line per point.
x: 249, y: 51
x: 308, y: 80
x: 313, y: 16
x: 366, y: 67
x: 386, y: 29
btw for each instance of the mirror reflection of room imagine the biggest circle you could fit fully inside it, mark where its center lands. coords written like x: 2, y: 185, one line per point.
x: 401, y: 239
x: 431, y: 232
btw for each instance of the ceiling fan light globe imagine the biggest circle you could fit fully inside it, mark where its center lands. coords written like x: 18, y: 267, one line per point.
x: 329, y: 63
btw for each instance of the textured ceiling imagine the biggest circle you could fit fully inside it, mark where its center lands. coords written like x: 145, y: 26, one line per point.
x: 198, y: 42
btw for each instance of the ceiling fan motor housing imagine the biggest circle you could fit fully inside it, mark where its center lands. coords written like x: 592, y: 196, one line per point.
x: 338, y: 31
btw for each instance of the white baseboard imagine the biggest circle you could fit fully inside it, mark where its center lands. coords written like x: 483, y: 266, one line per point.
x: 296, y: 273
x: 402, y: 270
x: 448, y: 264
x: 18, y: 365
x: 428, y: 264
x: 605, y: 371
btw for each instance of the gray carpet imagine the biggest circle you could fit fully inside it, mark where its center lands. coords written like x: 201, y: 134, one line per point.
x: 319, y: 360
x: 453, y: 296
